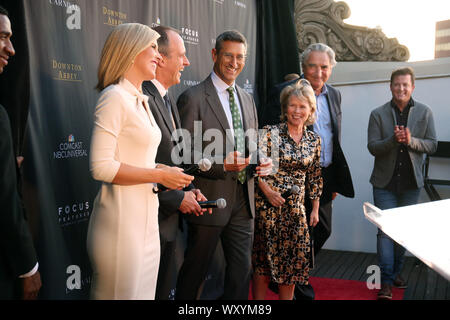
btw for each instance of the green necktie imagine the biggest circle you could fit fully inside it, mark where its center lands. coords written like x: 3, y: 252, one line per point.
x: 238, y: 130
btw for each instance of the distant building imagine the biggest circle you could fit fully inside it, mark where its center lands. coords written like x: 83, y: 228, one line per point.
x: 442, y: 44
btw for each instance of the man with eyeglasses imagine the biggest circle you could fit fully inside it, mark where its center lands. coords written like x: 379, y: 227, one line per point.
x: 218, y: 103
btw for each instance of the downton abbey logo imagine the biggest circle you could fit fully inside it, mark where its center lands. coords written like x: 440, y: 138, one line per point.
x: 113, y: 17
x: 64, y: 71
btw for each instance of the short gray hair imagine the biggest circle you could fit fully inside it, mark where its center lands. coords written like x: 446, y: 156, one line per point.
x: 321, y: 47
x: 230, y: 35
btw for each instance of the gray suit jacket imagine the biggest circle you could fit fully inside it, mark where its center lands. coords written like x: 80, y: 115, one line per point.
x: 201, y: 103
x: 382, y: 145
x: 169, y: 201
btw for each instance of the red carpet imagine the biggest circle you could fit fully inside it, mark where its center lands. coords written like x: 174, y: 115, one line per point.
x: 337, y: 289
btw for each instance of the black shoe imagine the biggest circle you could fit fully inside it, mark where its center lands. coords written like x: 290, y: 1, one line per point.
x: 304, y: 292
x: 400, y: 283
x: 273, y: 287
x: 385, y: 293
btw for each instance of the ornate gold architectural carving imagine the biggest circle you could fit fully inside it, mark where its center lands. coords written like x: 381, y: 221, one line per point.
x: 322, y: 21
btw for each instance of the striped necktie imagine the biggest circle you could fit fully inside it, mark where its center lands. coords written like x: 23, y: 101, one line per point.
x: 238, y: 130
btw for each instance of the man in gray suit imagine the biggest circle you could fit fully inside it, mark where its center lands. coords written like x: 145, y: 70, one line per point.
x: 163, y: 107
x: 219, y: 105
x: 18, y: 261
x: 399, y: 133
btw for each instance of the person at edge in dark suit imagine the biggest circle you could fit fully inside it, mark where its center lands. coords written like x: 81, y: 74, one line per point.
x: 219, y: 105
x: 18, y: 261
x: 168, y: 73
x: 317, y: 62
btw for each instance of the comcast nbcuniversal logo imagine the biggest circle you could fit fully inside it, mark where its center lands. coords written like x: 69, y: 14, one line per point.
x: 70, y: 149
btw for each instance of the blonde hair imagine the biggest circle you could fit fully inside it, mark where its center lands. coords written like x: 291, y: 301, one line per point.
x: 123, y: 44
x: 301, y: 88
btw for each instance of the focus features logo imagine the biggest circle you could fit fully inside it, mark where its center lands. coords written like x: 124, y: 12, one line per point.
x: 190, y: 36
x: 70, y: 149
x: 70, y: 214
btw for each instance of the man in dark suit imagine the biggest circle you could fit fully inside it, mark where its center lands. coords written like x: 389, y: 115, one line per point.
x: 163, y: 107
x: 318, y: 61
x: 18, y: 262
x: 219, y: 107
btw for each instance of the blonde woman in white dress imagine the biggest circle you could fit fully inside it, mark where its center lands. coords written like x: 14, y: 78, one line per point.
x: 123, y: 238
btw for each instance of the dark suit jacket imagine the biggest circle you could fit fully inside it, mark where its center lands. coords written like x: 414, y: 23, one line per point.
x: 201, y: 103
x: 169, y: 201
x: 17, y: 254
x: 342, y: 181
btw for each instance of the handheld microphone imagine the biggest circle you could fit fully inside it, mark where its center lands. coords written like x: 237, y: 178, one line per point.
x: 257, y: 155
x: 250, y: 148
x: 219, y: 203
x: 294, y: 190
x: 203, y: 165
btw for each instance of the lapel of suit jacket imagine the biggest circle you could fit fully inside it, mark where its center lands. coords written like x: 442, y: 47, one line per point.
x: 176, y: 116
x: 412, y: 117
x: 216, y: 106
x: 331, y: 99
x: 160, y: 105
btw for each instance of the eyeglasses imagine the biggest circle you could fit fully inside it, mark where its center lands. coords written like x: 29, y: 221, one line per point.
x: 230, y: 57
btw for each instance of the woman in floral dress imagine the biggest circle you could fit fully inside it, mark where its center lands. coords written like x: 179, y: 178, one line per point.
x: 282, y: 243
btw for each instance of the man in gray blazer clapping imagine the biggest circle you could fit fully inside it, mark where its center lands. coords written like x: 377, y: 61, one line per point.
x: 399, y: 133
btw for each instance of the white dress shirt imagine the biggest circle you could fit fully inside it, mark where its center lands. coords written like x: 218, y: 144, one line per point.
x: 224, y: 97
x: 162, y: 91
x: 32, y: 272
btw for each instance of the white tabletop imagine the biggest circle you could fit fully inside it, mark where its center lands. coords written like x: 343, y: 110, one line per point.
x: 423, y: 229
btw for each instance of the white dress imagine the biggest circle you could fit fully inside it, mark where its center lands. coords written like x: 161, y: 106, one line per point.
x: 123, y: 236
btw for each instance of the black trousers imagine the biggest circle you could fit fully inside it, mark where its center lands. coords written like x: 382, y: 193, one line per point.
x: 237, y: 242
x: 167, y: 273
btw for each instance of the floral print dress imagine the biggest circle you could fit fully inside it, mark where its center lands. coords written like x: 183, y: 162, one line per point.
x: 282, y: 244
